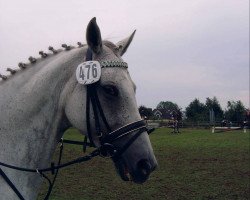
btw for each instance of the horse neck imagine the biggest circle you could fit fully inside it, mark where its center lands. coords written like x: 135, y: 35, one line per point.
x: 32, y: 118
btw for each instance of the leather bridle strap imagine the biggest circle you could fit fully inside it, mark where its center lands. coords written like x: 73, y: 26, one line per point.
x: 54, y: 170
x: 98, y: 105
x: 109, y: 149
x: 13, y: 187
x: 123, y: 131
x: 120, y: 151
x: 92, y: 98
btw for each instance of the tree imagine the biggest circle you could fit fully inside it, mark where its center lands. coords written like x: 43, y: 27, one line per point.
x: 145, y: 112
x: 213, y: 104
x: 235, y: 111
x: 177, y: 114
x: 196, y: 111
x: 167, y: 105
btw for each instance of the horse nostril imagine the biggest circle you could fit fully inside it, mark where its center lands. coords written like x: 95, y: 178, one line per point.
x: 144, y: 167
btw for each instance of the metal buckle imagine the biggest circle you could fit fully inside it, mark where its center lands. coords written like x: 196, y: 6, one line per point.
x: 107, y: 150
x: 61, y: 142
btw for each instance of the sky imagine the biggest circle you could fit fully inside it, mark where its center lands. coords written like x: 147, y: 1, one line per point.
x: 182, y: 49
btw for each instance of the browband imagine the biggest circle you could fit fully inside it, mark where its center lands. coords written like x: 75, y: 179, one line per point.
x: 114, y: 63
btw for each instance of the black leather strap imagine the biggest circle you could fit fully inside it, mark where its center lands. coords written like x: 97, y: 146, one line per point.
x: 95, y: 109
x: 89, y: 55
x: 88, y: 118
x: 94, y: 102
x: 98, y: 104
x: 53, y: 170
x: 88, y: 99
x: 124, y: 131
x: 13, y: 187
x: 120, y: 151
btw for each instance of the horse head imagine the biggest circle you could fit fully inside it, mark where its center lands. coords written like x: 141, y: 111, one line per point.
x: 116, y: 95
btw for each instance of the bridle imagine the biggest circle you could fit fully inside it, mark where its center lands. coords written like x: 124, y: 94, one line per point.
x: 106, y: 141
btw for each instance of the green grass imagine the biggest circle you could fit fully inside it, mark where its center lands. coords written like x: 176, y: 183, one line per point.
x: 195, y: 164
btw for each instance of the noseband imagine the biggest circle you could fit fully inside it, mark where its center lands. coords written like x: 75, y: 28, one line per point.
x: 106, y: 141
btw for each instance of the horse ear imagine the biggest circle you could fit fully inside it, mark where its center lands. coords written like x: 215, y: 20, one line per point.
x: 93, y: 36
x: 124, y: 44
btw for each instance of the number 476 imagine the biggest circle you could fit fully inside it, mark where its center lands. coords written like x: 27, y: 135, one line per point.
x: 88, y: 67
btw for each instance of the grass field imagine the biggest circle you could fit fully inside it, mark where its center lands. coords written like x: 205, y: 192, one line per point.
x: 195, y: 164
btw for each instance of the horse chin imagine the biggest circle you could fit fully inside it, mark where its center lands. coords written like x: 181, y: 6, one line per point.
x: 127, y: 175
x: 122, y: 170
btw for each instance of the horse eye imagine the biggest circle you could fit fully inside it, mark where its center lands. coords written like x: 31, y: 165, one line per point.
x: 111, y: 90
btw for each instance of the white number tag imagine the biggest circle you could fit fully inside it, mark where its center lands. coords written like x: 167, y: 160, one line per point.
x: 88, y: 72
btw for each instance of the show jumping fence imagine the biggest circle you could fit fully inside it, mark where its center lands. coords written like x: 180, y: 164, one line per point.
x: 190, y: 124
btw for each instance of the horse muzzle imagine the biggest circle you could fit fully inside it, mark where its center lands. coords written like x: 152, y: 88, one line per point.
x: 133, y: 161
x: 144, y: 168
x: 141, y: 172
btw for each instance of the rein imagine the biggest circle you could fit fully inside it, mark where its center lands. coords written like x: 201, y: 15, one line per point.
x: 106, y: 148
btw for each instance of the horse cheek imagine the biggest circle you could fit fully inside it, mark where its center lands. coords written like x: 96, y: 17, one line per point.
x: 75, y: 110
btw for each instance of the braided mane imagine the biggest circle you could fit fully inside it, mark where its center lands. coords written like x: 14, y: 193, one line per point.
x: 32, y: 61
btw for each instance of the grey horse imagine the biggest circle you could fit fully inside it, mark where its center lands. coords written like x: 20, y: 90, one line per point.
x: 43, y: 99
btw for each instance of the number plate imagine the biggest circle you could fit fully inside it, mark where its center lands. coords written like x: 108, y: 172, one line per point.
x: 88, y: 72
